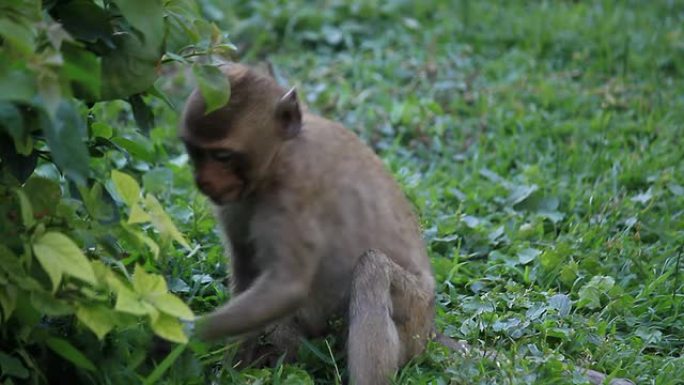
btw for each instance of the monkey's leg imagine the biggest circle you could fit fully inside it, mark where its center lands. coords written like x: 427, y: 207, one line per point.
x: 384, y: 331
x: 265, y: 349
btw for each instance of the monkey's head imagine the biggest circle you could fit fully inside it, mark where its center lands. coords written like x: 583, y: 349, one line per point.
x: 232, y: 148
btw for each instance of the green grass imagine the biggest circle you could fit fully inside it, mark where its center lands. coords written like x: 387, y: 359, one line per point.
x: 541, y: 143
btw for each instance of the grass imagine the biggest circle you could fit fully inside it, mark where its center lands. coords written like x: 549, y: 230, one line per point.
x: 541, y: 143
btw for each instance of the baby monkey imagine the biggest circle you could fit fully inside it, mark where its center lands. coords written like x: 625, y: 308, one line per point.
x: 316, y: 226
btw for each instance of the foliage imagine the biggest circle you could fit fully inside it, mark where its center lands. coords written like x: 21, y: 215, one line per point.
x: 78, y: 278
x: 540, y: 142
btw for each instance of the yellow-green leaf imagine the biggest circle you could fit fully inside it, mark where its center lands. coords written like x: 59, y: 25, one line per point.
x: 146, y: 284
x: 128, y: 301
x: 162, y: 222
x: 60, y: 255
x: 70, y: 353
x: 169, y: 328
x: 97, y: 318
x: 138, y: 215
x: 127, y: 187
x: 171, y: 305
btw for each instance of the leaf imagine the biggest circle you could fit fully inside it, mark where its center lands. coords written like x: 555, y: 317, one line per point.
x: 163, y: 366
x: 67, y: 351
x: 213, y: 86
x: 169, y: 328
x: 19, y: 165
x: 162, y: 222
x: 60, y: 255
x: 26, y: 210
x: 97, y: 318
x: 12, y: 122
x: 127, y: 187
x: 521, y: 193
x: 138, y: 215
x: 171, y: 305
x: 590, y: 293
x: 82, y: 68
x: 101, y: 130
x: 8, y: 300
x: 12, y: 367
x: 528, y: 255
x: 84, y: 20
x: 562, y: 303
x: 142, y: 113
x: 49, y: 305
x: 17, y: 35
x: 66, y: 136
x: 132, y: 67
x: 643, y: 198
x: 145, y: 16
x: 128, y: 301
x: 145, y: 283
x: 44, y: 195
x: 17, y: 83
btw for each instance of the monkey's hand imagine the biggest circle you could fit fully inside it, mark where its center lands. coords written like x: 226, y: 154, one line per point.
x: 271, y: 297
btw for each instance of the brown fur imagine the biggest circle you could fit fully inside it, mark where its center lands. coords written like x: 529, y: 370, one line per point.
x: 313, y: 205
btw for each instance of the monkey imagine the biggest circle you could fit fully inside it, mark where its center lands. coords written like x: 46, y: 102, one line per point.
x: 317, y: 229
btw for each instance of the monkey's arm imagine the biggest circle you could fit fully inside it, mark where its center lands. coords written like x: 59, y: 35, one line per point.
x: 283, y: 251
x: 273, y: 295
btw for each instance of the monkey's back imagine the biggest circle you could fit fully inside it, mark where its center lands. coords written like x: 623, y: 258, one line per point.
x: 357, y: 206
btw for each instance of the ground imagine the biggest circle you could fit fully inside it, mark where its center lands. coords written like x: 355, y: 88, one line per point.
x: 541, y: 144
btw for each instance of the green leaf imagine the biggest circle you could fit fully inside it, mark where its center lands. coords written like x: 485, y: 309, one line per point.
x: 49, y: 305
x: 163, y: 366
x: 590, y: 293
x: 127, y: 187
x: 82, y: 68
x: 213, y: 86
x: 19, y: 165
x: 162, y: 222
x: 145, y: 16
x: 60, y: 255
x: 132, y: 67
x: 66, y: 136
x: 17, y: 83
x: 169, y: 328
x: 8, y: 300
x: 26, y: 210
x: 528, y: 255
x: 101, y: 130
x: 12, y: 122
x: 18, y: 35
x: 84, y: 20
x: 67, y: 351
x: 44, y: 195
x: 97, y: 318
x: 12, y: 367
x: 562, y: 303
x: 142, y: 113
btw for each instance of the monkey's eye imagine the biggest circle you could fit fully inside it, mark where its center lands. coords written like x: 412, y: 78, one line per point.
x: 224, y: 156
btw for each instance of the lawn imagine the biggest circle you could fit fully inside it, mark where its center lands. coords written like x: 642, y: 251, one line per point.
x: 539, y: 141
x: 541, y: 144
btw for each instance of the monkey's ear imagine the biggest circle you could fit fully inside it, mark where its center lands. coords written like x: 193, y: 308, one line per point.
x: 289, y: 115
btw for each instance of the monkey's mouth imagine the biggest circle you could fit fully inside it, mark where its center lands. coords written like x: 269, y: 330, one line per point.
x: 226, y: 196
